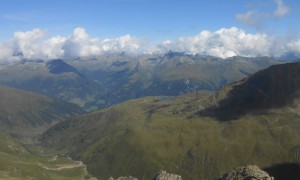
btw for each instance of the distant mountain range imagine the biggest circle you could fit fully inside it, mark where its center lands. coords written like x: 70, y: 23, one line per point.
x: 94, y: 83
x: 197, y: 135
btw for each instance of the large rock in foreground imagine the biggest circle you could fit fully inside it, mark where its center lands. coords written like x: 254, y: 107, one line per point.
x: 250, y: 172
x: 163, y: 175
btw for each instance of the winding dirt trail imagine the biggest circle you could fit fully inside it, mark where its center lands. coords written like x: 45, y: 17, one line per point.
x: 76, y: 164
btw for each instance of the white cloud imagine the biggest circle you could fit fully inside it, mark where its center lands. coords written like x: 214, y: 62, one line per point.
x: 223, y: 43
x: 29, y: 42
x: 124, y: 43
x: 253, y: 18
x: 52, y: 48
x: 282, y: 9
x: 229, y: 42
x: 6, y: 53
x: 257, y: 19
x: 35, y: 45
x: 294, y: 46
x: 80, y: 44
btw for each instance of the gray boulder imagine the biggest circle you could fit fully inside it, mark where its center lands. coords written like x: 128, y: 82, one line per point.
x: 163, y: 175
x: 250, y: 172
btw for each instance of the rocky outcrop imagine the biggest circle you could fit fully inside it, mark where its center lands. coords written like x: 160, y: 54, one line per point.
x: 250, y: 172
x: 127, y: 178
x: 124, y: 178
x: 163, y: 175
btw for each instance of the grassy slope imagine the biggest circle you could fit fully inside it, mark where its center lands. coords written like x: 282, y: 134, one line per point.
x: 142, y: 136
x: 25, y: 113
x: 17, y: 162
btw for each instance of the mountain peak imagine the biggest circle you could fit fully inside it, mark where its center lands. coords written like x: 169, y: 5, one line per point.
x: 58, y: 66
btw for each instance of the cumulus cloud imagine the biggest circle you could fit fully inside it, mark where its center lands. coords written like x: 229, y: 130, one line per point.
x: 257, y: 19
x: 230, y: 42
x: 35, y: 45
x: 80, y: 44
x: 125, y: 43
x: 29, y: 43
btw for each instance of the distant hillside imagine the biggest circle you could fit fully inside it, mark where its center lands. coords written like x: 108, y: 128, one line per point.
x: 156, y: 133
x: 27, y: 113
x: 55, y: 79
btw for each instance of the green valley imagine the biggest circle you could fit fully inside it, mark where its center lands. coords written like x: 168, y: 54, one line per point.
x: 18, y: 162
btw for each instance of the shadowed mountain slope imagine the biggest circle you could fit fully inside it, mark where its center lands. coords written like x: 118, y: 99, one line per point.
x: 274, y: 87
x: 58, y: 66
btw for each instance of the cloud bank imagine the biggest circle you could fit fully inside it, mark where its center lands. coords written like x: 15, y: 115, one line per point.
x: 34, y: 44
x: 226, y: 42
x: 231, y: 42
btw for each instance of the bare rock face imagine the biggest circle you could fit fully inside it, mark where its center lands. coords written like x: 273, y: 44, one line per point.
x: 163, y: 175
x: 250, y: 172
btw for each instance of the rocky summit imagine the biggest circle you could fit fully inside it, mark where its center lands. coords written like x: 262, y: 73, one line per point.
x: 250, y: 172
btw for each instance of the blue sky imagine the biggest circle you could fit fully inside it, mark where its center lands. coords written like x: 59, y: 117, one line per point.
x: 153, y: 19
x: 46, y: 29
